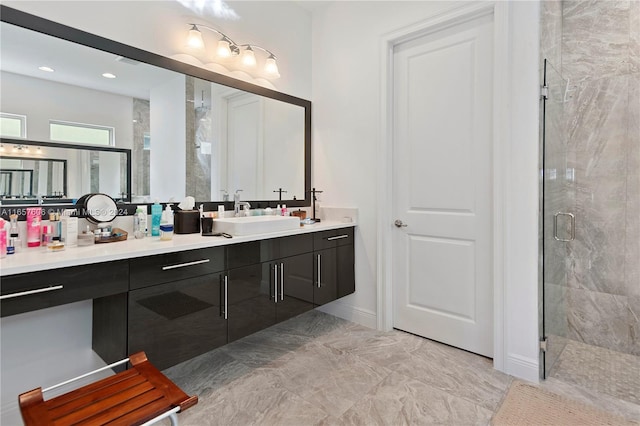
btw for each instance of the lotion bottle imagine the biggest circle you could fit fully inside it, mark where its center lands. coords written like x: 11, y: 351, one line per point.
x: 34, y: 218
x: 156, y: 217
x: 166, y: 224
x: 3, y: 239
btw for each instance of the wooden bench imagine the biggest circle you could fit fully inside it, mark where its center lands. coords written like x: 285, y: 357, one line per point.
x: 139, y: 396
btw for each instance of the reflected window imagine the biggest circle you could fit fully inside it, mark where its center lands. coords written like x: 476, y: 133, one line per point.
x: 13, y: 125
x: 89, y: 134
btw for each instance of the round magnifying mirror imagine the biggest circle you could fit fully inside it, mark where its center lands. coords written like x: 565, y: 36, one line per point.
x: 100, y: 208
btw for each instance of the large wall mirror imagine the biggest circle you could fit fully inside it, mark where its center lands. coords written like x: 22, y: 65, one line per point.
x: 190, y: 131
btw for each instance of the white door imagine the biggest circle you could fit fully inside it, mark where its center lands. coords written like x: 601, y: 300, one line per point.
x: 245, y: 147
x: 442, y: 258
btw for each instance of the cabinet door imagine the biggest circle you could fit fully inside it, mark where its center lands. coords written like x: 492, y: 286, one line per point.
x: 176, y: 321
x: 251, y: 299
x: 333, y: 274
x: 325, y: 289
x: 345, y: 270
x: 295, y: 295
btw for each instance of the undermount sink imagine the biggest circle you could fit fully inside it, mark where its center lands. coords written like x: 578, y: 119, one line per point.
x: 255, y: 224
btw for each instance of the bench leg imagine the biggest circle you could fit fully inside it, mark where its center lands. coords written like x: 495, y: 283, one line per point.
x: 174, y: 419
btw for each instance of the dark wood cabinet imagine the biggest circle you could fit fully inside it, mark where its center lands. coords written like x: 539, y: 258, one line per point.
x: 295, y: 294
x: 163, y: 268
x: 176, y: 321
x: 175, y: 306
x: 275, y: 283
x: 43, y: 289
x: 334, y: 275
x: 250, y: 300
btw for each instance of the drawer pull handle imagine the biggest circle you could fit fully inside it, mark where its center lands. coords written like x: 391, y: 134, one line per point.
x: 226, y: 293
x: 281, y: 281
x: 319, y: 269
x: 28, y: 292
x: 338, y: 237
x: 182, y: 265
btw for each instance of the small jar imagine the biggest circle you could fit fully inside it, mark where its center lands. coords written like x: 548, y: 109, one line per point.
x: 86, y: 239
x: 166, y: 231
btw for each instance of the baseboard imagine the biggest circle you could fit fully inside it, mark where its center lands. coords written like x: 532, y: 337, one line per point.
x: 523, y: 368
x: 346, y: 311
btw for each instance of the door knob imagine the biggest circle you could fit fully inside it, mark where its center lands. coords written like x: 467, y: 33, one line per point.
x: 398, y: 223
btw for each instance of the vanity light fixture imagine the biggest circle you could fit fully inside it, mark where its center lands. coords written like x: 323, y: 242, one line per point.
x: 108, y: 75
x: 46, y: 69
x: 228, y: 48
x: 19, y: 149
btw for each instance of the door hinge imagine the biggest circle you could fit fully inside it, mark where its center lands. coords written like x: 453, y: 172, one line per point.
x: 544, y: 92
x: 543, y: 345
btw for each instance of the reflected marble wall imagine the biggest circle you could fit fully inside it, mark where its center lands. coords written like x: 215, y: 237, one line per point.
x: 600, y: 58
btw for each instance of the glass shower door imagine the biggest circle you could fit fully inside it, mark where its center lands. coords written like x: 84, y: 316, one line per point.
x: 558, y: 220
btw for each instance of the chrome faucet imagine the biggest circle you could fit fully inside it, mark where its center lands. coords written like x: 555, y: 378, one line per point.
x: 237, y: 203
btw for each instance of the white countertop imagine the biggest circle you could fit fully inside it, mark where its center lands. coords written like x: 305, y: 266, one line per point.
x: 38, y: 259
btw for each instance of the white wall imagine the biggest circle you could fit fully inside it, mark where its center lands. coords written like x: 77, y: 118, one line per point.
x: 44, y: 100
x: 168, y: 118
x: 347, y: 40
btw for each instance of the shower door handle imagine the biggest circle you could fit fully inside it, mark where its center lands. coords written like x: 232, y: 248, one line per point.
x: 572, y: 232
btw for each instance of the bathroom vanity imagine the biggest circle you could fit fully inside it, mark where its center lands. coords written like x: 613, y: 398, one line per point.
x: 181, y: 298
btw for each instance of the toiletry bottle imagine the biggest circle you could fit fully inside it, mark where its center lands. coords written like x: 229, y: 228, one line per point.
x: 166, y: 224
x: 221, y: 211
x: 56, y: 226
x: 14, y: 232
x: 11, y: 246
x: 34, y: 217
x: 268, y: 211
x: 138, y: 231
x: 141, y: 212
x: 285, y: 212
x: 156, y: 217
x: 86, y: 238
x: 3, y: 239
x: 69, y: 228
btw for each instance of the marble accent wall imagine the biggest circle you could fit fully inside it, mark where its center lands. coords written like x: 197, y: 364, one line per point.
x: 600, y: 57
x: 551, y: 32
x: 140, y: 158
x: 198, y: 179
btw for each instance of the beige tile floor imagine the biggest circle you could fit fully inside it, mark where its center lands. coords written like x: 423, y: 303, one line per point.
x: 317, y: 369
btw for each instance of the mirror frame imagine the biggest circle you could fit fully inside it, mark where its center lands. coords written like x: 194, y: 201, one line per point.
x: 74, y: 35
x: 126, y: 151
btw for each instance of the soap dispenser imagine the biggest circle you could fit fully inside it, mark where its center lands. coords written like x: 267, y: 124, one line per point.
x: 166, y: 224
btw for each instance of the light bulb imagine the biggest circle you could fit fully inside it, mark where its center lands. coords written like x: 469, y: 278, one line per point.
x: 194, y: 39
x: 224, y: 48
x: 248, y: 57
x: 271, y: 68
x: 1, y: 148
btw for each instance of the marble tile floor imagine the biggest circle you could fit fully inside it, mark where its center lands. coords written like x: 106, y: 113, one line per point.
x: 317, y: 369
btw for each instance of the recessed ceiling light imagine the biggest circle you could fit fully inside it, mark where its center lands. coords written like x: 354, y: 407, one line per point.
x: 47, y: 69
x: 108, y: 75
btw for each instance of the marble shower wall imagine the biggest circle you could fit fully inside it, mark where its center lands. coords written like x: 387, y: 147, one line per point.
x: 140, y: 169
x: 600, y: 59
